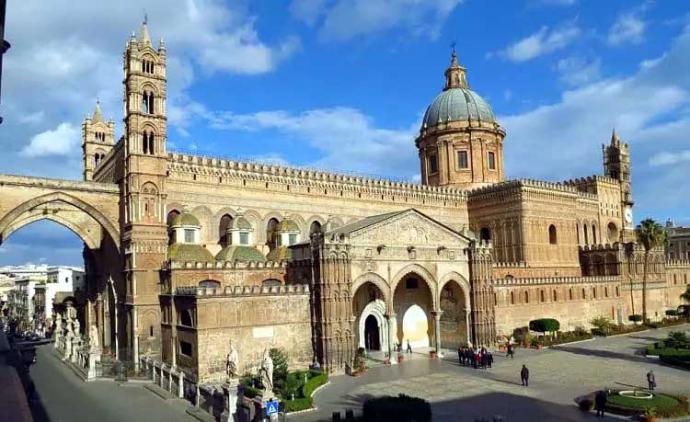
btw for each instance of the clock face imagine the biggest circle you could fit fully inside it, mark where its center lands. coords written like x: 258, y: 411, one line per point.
x: 628, y: 216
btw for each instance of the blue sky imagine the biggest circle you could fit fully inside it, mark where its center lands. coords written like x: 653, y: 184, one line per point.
x: 342, y: 85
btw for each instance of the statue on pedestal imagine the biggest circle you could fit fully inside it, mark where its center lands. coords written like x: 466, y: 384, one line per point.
x: 93, y: 339
x: 266, y: 373
x: 232, y: 364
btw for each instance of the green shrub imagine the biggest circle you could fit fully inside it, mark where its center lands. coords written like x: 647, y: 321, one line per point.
x: 664, y: 405
x: 544, y: 325
x: 302, y: 403
x: 602, y: 326
x: 280, y: 364
x: 635, y: 318
x: 317, y: 380
x: 400, y: 409
x: 678, y: 340
x: 671, y: 312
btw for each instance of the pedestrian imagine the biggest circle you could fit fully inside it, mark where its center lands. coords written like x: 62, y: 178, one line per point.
x: 524, y: 375
x: 651, y: 380
x: 477, y: 359
x: 460, y: 356
x: 489, y: 358
x: 511, y: 351
x: 409, y: 348
x: 600, y: 403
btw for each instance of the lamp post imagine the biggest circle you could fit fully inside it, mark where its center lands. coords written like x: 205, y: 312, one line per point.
x: 4, y: 45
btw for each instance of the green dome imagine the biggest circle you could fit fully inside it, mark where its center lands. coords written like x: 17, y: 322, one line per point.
x: 185, y: 219
x: 242, y: 224
x: 280, y: 254
x: 240, y: 253
x: 187, y: 252
x: 288, y: 226
x: 457, y: 104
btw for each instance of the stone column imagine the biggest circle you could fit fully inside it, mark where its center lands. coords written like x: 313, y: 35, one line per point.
x: 392, y: 337
x: 468, y: 335
x: 437, y: 329
x: 135, y: 342
x: 180, y: 385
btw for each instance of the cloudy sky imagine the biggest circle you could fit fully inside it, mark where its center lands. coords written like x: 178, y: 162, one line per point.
x: 342, y: 85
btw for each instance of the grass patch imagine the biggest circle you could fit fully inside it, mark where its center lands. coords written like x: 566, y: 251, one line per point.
x: 664, y: 405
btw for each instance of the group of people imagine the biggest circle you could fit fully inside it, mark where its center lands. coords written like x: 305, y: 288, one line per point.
x: 477, y: 358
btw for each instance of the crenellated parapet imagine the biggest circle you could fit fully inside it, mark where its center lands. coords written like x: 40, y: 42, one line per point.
x: 612, y: 247
x: 510, y: 265
x: 590, y: 181
x: 225, y: 265
x: 513, y: 282
x: 678, y: 263
x: 500, y: 190
x: 269, y: 173
x: 293, y: 289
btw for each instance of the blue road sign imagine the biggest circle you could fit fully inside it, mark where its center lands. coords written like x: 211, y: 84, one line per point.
x: 271, y: 407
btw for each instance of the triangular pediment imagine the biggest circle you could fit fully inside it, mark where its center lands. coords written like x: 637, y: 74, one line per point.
x: 404, y: 228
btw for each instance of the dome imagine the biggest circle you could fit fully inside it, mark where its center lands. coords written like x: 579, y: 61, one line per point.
x: 457, y: 104
x: 288, y: 226
x: 240, y: 253
x: 241, y: 223
x: 185, y: 219
x: 187, y: 252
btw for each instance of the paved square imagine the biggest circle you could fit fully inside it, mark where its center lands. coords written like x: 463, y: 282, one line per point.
x: 557, y: 376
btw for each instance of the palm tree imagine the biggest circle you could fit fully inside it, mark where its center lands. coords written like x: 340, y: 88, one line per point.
x: 651, y: 235
x: 686, y: 294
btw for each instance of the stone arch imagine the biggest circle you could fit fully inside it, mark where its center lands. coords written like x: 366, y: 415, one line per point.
x: 454, y: 320
x: 458, y: 278
x: 377, y: 310
x: 423, y: 273
x: 315, y: 219
x: 376, y: 280
x: 208, y: 227
x: 7, y: 225
x: 299, y: 220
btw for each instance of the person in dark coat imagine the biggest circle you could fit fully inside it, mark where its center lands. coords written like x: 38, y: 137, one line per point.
x: 651, y: 380
x: 409, y: 348
x: 511, y: 351
x: 600, y: 403
x: 524, y: 375
x: 460, y: 356
x: 489, y: 358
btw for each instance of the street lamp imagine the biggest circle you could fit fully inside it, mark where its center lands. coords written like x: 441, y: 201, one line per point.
x: 4, y: 45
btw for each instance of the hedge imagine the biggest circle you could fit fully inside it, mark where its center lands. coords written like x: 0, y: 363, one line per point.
x: 634, y: 318
x: 305, y: 402
x: 672, y: 312
x: 400, y: 409
x: 676, y: 357
x: 544, y: 325
x: 664, y: 405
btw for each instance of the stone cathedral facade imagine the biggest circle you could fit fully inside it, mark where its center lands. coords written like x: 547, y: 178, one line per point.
x: 186, y: 253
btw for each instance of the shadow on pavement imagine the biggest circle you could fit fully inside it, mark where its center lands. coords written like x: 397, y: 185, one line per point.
x: 602, y: 354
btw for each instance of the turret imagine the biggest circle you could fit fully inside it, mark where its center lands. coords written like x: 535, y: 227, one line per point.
x: 98, y: 138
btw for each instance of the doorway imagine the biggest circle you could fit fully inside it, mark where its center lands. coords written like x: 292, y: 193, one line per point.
x: 372, y: 337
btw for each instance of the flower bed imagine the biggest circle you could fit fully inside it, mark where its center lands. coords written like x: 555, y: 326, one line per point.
x: 674, y: 350
x: 663, y: 405
x: 304, y: 400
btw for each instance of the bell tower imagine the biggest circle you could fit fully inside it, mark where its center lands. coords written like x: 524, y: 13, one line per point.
x: 144, y: 230
x: 617, y: 166
x: 98, y: 138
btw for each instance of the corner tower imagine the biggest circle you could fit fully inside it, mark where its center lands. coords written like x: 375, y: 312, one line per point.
x: 617, y: 166
x: 460, y: 143
x: 98, y: 138
x: 144, y: 230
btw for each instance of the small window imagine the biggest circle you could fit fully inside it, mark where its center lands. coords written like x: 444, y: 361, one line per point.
x: 485, y: 234
x: 292, y: 238
x: 584, y: 294
x: 188, y: 236
x: 492, y: 161
x: 186, y: 318
x: 186, y: 348
x: 555, y: 296
x: 527, y: 297
x: 150, y: 330
x: 570, y: 294
x: 541, y: 294
x: 244, y: 238
x: 463, y: 162
x: 512, y: 298
x: 433, y: 164
x: 553, y: 236
x: 411, y: 283
x: 594, y: 292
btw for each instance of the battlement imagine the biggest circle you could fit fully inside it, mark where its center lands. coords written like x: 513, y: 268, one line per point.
x: 678, y: 263
x: 508, y: 185
x: 520, y: 264
x: 276, y: 173
x: 509, y: 282
x: 615, y: 247
x: 225, y: 265
x: 590, y: 180
x: 298, y: 289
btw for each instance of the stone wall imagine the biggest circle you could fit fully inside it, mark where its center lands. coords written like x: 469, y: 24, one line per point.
x: 253, y: 320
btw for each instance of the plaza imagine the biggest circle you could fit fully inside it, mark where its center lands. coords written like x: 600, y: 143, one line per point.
x: 557, y: 377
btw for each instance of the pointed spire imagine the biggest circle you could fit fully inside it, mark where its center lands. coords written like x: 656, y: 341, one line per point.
x: 97, y: 115
x: 455, y: 74
x: 615, y: 140
x: 144, y: 36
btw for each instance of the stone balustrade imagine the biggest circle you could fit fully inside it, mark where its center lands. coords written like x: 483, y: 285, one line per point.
x: 508, y: 282
x: 299, y: 289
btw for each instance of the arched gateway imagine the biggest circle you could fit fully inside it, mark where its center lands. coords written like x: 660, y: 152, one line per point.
x: 91, y: 211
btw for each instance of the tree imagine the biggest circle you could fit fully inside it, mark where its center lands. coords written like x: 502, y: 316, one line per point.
x: 651, y: 235
x: 686, y: 294
x: 602, y: 325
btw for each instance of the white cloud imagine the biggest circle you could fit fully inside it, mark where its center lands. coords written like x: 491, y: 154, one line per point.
x: 628, y: 28
x: 542, y: 42
x: 576, y: 70
x: 559, y: 2
x: 649, y: 109
x: 666, y: 158
x: 342, y: 20
x: 346, y: 138
x: 62, y: 140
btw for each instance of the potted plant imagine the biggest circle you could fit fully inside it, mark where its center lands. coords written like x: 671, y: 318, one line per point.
x: 535, y: 343
x: 649, y: 415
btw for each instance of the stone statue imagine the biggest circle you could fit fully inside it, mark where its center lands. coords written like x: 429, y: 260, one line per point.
x: 93, y: 338
x: 232, y: 364
x: 266, y: 371
x: 76, y: 327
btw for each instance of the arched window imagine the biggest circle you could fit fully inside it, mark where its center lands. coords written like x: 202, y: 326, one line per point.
x: 594, y: 292
x: 223, y: 226
x: 555, y: 296
x: 584, y: 293
x: 315, y: 228
x: 271, y: 282
x: 542, y: 296
x: 272, y: 236
x: 618, y: 291
x: 169, y: 219
x: 186, y: 318
x: 553, y: 238
x: 584, y: 230
x: 148, y: 142
x: 527, y: 296
x: 594, y: 234
x: 485, y: 234
x: 147, y: 102
x: 570, y: 293
x: 512, y: 298
x: 612, y: 232
x: 577, y: 232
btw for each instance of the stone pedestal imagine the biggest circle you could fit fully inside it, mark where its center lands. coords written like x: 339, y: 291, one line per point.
x: 230, y: 397
x: 94, y: 359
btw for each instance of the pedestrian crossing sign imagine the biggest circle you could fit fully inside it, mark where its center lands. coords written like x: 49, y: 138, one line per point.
x: 271, y: 407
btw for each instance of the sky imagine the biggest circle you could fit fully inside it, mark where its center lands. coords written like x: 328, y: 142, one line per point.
x: 342, y: 85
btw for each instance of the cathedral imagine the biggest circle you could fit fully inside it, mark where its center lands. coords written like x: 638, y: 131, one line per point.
x: 185, y: 254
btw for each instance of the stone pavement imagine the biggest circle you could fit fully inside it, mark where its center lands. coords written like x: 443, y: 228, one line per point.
x: 557, y: 376
x: 63, y: 396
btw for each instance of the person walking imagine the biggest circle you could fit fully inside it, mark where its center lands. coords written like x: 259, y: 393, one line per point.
x: 600, y: 403
x: 460, y: 356
x: 409, y: 348
x: 524, y: 375
x: 651, y: 380
x: 511, y: 351
x: 489, y: 358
